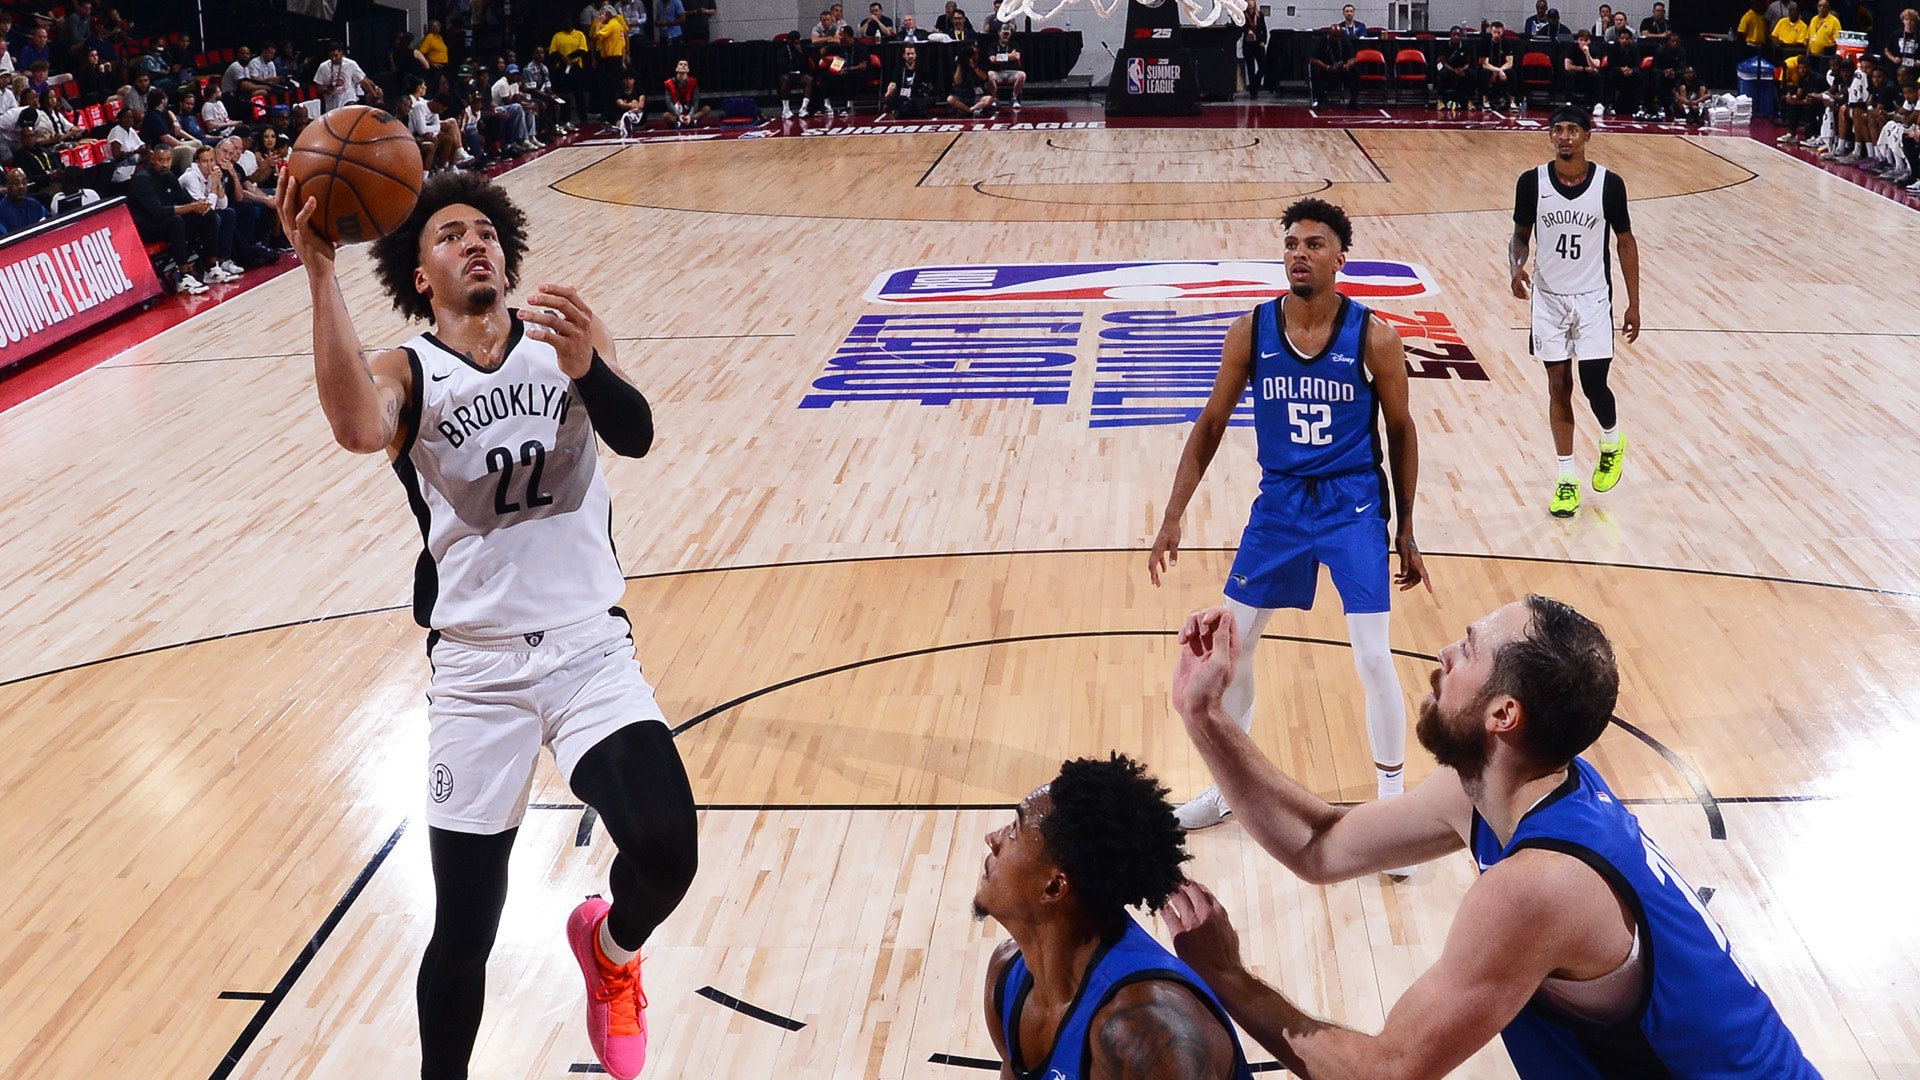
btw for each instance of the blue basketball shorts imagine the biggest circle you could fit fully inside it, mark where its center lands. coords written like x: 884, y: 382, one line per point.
x: 1300, y: 523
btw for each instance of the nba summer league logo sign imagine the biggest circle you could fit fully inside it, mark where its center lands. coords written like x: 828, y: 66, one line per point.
x: 1150, y: 365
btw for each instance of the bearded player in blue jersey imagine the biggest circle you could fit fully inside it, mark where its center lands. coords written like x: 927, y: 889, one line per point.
x: 1325, y: 378
x: 1580, y: 945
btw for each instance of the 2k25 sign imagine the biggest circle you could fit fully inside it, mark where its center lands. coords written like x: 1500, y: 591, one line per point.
x: 1025, y: 283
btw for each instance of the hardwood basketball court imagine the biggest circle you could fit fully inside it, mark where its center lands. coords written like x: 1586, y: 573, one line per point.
x: 880, y: 623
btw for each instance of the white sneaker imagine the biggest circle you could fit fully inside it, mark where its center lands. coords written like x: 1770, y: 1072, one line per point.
x: 232, y: 268
x: 803, y: 110
x: 216, y: 276
x: 191, y: 285
x: 1812, y: 142
x: 786, y: 110
x: 463, y: 158
x: 1599, y: 110
x: 828, y: 111
x: 1016, y: 101
x: 1203, y: 811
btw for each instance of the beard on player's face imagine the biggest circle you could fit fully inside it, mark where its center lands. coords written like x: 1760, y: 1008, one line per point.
x: 482, y: 297
x: 1454, y: 736
x: 1303, y: 289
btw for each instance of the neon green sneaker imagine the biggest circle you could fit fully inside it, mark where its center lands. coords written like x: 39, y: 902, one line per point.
x: 1566, y: 498
x: 1607, y: 473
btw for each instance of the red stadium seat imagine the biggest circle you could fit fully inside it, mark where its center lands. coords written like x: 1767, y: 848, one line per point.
x: 1410, y: 74
x: 1370, y: 69
x: 1536, y: 76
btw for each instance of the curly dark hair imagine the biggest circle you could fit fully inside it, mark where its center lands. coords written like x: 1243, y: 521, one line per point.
x: 397, y: 254
x: 1563, y: 674
x: 1113, y: 831
x: 1325, y: 213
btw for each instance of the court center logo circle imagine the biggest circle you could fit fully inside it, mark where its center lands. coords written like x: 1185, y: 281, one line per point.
x: 441, y: 784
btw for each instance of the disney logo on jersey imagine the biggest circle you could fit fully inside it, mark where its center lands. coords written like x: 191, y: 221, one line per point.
x: 1261, y: 279
x: 1341, y: 358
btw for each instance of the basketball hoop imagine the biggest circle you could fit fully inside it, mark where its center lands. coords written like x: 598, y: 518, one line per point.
x: 1199, y: 12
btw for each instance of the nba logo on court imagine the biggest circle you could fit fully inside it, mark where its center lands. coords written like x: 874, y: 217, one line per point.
x: 1136, y: 76
x: 1257, y: 279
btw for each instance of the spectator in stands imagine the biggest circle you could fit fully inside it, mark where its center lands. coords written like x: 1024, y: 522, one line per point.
x: 1655, y: 25
x: 909, y: 93
x: 1801, y: 105
x: 514, y: 113
x: 74, y: 194
x: 214, y: 119
x: 1903, y: 52
x: 1689, y: 98
x: 19, y: 210
x: 37, y: 157
x: 910, y: 30
x: 1350, y: 27
x: 217, y: 227
x: 798, y: 72
x: 1669, y: 64
x: 60, y: 121
x: 405, y: 58
x: 439, y: 143
x: 133, y: 93
x: 1495, y: 73
x: 609, y: 34
x: 1531, y: 28
x: 1253, y: 47
x: 698, y: 29
x: 1603, y: 25
x: 264, y: 72
x: 161, y: 212
x: 876, y: 25
x: 36, y: 48
x: 7, y: 70
x: 77, y: 27
x: 943, y: 22
x: 1580, y: 71
x: 124, y: 148
x: 567, y: 67
x: 1555, y: 30
x: 1622, y: 75
x: 1330, y: 68
x: 270, y: 152
x: 969, y: 91
x: 256, y: 225
x: 341, y: 81
x: 186, y: 112
x: 1004, y: 67
x: 1823, y: 33
x: 960, y: 28
x: 433, y: 46
x: 825, y: 31
x: 683, y: 108
x: 235, y: 80
x: 670, y: 21
x: 1454, y: 80
x: 162, y: 127
x: 841, y: 66
x: 536, y: 81
x: 632, y: 106
x: 98, y: 77
x: 1619, y: 24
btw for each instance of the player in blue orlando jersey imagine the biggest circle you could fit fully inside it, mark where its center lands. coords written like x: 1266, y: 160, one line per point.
x: 1580, y: 944
x: 1079, y: 991
x: 1323, y: 376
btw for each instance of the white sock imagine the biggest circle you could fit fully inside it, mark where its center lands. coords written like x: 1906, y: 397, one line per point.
x: 1566, y: 467
x: 611, y: 949
x: 1608, y: 437
x: 1386, y: 706
x: 1389, y: 782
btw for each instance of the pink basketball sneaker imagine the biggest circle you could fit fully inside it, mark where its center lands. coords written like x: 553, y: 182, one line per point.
x: 616, y: 1006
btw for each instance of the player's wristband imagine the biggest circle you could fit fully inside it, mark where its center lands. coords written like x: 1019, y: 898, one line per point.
x: 619, y: 411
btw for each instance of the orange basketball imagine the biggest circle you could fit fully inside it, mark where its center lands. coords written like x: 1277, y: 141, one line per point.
x: 364, y: 169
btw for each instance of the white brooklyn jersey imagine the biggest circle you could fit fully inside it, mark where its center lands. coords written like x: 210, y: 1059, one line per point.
x: 1571, y: 233
x: 504, y: 474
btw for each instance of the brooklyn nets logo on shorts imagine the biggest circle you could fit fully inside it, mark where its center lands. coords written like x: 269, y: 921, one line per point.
x: 441, y: 786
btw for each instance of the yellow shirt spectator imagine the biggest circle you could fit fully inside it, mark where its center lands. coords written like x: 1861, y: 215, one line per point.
x: 1822, y: 32
x: 1790, y: 32
x: 434, y: 48
x: 565, y: 44
x: 610, y: 36
x: 1752, y: 29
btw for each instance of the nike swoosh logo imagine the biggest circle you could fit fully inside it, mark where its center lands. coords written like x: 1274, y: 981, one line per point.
x: 1269, y: 356
x: 1363, y: 509
x: 439, y: 378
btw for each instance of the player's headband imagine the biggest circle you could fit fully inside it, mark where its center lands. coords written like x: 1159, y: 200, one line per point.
x: 1567, y: 114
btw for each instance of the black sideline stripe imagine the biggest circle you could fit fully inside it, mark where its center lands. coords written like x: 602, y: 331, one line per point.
x: 583, y: 837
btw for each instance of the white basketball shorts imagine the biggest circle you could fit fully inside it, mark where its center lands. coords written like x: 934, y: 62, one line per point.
x: 1572, y: 327
x: 494, y: 702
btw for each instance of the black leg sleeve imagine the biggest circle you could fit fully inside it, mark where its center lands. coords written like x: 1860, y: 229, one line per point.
x: 1593, y: 383
x: 469, y: 889
x: 635, y: 781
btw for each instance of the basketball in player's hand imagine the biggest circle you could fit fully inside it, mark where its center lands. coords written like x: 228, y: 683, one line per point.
x: 363, y: 169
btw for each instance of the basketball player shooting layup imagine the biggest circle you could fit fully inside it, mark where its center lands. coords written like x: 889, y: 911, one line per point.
x: 1572, y: 203
x: 1323, y: 374
x: 489, y: 421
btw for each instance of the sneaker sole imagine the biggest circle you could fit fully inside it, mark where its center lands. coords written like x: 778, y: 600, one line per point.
x: 1564, y: 513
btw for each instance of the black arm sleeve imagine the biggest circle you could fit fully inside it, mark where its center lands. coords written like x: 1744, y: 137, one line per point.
x: 1613, y: 199
x: 1526, y: 198
x: 620, y: 413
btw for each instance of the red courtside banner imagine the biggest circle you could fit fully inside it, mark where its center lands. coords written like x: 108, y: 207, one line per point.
x: 67, y: 275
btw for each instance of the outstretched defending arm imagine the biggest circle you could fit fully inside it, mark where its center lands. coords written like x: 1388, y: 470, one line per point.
x: 1236, y: 361
x: 363, y: 395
